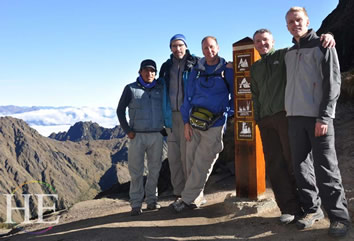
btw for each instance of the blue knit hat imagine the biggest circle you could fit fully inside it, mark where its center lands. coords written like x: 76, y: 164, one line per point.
x: 178, y: 37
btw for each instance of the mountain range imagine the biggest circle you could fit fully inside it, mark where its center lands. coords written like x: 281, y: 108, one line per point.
x: 88, y: 131
x: 75, y: 170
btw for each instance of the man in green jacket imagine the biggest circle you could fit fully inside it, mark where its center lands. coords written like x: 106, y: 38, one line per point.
x: 268, y: 81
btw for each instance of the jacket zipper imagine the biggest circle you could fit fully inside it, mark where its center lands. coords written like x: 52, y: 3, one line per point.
x: 178, y: 70
x: 268, y: 73
x: 294, y: 79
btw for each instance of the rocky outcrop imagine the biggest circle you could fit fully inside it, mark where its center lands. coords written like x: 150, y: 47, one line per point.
x: 341, y: 23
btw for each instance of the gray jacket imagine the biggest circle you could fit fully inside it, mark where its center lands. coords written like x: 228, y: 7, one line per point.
x: 313, y: 79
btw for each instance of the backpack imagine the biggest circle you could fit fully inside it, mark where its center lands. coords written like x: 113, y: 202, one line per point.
x: 201, y: 118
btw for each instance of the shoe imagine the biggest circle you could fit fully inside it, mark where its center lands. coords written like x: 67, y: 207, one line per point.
x: 338, y: 229
x: 309, y: 219
x: 136, y: 211
x: 153, y: 206
x: 286, y: 218
x: 178, y: 206
x: 195, y: 206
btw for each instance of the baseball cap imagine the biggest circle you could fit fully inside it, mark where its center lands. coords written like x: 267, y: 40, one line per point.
x: 148, y: 63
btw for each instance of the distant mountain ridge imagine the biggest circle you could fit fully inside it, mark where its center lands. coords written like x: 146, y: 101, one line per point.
x: 88, y: 131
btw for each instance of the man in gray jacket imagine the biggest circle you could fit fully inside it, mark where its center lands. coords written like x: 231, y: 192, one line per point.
x: 311, y: 94
x: 175, y: 72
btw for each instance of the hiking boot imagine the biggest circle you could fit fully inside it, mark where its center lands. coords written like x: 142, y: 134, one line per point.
x: 178, y: 206
x: 286, y: 218
x: 136, y: 211
x: 153, y: 206
x: 338, y: 229
x: 309, y: 219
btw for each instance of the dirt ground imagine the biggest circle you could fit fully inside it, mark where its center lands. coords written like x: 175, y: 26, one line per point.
x: 109, y: 219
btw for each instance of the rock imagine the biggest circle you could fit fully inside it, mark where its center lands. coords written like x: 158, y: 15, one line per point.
x: 243, y: 206
x: 341, y: 23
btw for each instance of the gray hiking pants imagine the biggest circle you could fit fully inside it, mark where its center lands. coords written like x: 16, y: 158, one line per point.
x: 151, y: 144
x: 177, y: 153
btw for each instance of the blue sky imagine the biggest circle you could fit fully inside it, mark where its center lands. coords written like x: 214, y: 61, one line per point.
x: 83, y: 52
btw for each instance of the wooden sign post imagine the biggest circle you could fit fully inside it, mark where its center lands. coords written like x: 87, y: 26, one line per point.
x: 249, y: 159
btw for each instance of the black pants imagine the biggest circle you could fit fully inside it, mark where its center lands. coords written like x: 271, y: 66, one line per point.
x: 274, y: 134
x: 316, y: 168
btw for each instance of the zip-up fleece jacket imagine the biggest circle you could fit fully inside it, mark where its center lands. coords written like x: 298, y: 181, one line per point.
x: 268, y: 80
x: 179, y: 88
x: 144, y: 106
x: 313, y: 79
x: 210, y: 92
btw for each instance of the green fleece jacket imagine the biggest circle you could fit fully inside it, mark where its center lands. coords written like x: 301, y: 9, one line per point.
x: 268, y: 81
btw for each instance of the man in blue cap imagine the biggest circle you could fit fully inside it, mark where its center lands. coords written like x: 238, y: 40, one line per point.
x: 175, y: 72
x: 144, y: 101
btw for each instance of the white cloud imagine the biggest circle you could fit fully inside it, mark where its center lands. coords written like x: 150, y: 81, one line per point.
x: 54, y: 119
x: 47, y: 130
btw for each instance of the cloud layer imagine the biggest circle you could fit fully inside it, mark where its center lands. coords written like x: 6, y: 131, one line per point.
x: 55, y: 119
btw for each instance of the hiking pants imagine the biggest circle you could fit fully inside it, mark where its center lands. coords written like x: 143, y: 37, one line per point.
x: 317, y: 174
x: 177, y: 153
x: 275, y: 141
x: 151, y: 144
x: 201, y: 154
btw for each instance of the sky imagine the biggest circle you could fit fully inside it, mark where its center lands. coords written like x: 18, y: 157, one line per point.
x: 83, y: 52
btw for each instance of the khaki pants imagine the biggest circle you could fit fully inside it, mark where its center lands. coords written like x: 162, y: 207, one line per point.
x: 151, y: 144
x: 177, y: 153
x: 201, y: 154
